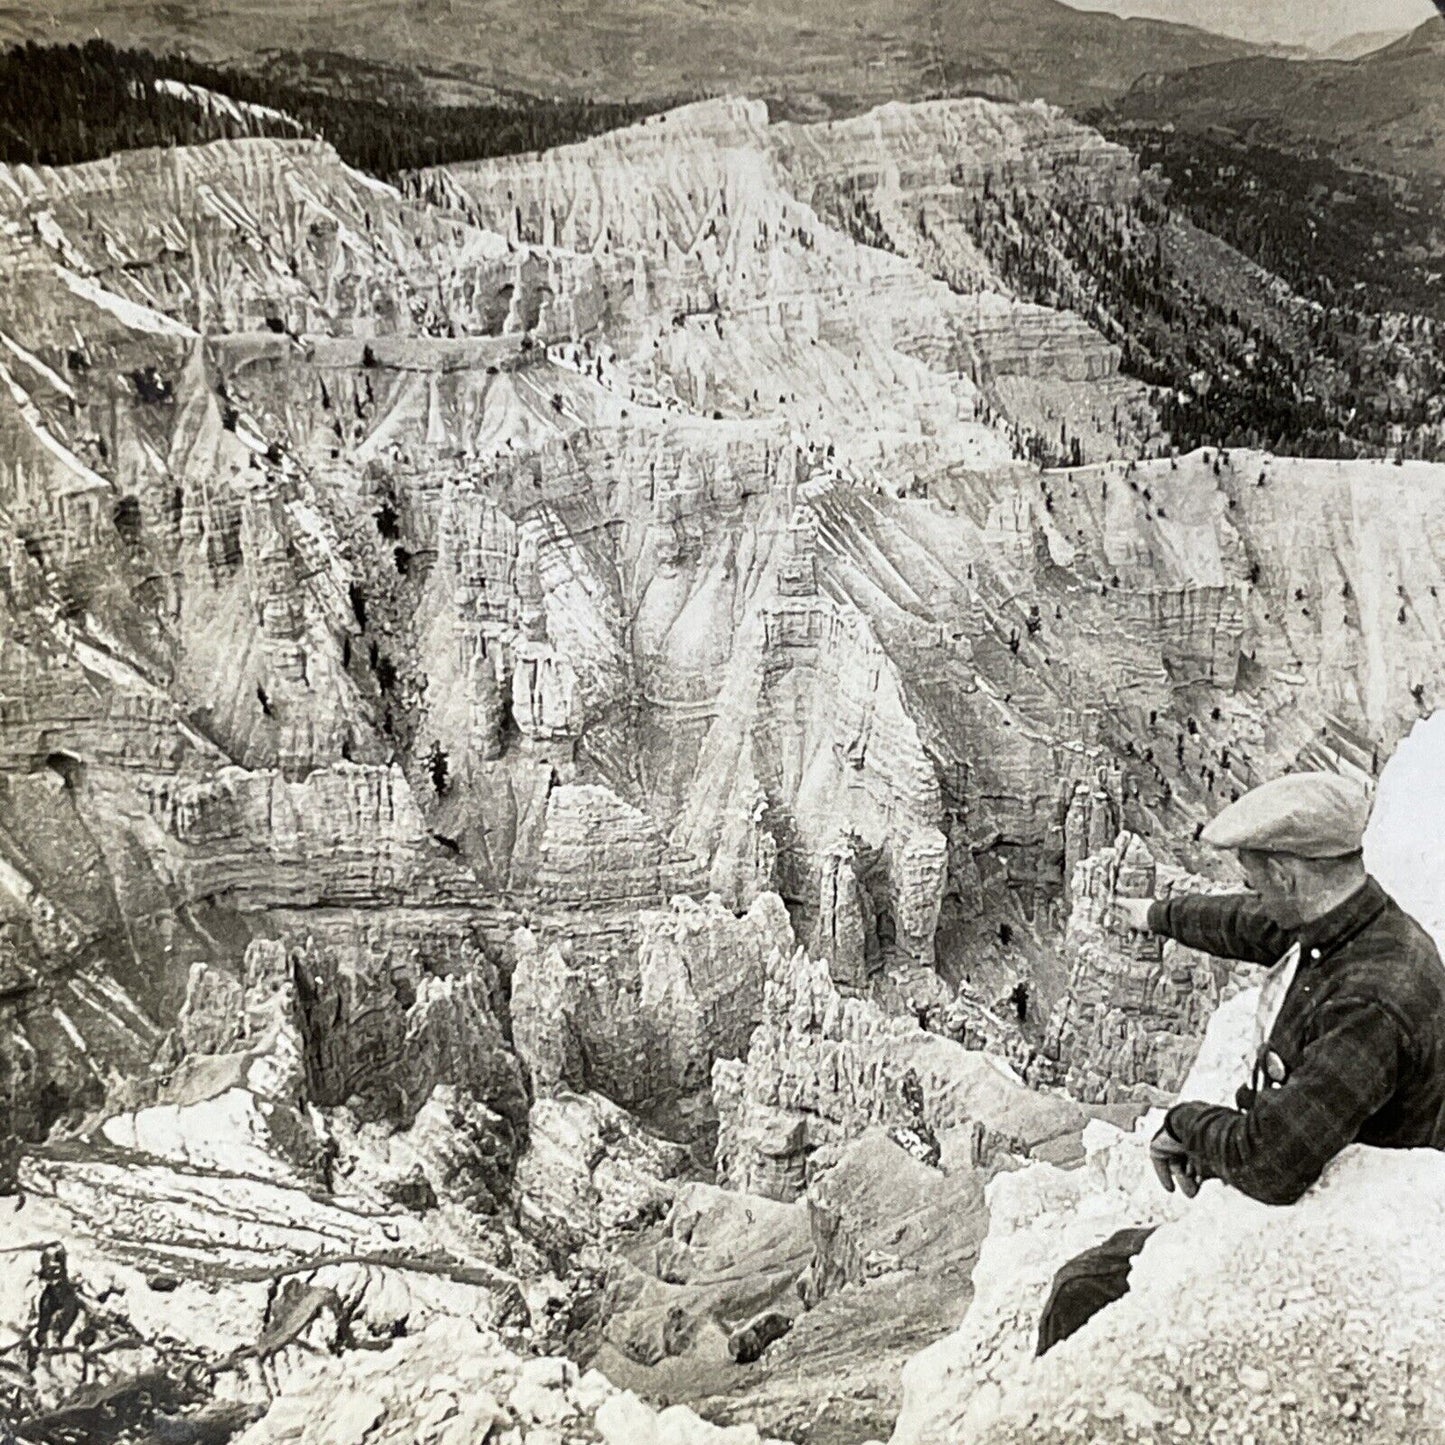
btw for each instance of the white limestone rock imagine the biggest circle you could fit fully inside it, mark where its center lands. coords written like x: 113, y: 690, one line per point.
x: 1241, y: 1321
x: 455, y: 1384
x: 822, y: 1069
x: 1129, y: 1019
x: 591, y: 1171
x: 640, y: 1008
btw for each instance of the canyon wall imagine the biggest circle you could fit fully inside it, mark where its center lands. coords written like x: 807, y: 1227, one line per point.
x: 580, y: 530
x: 643, y: 1022
x: 822, y: 1069
x: 581, y: 639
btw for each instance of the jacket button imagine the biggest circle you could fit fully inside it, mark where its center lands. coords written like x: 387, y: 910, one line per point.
x: 1314, y: 953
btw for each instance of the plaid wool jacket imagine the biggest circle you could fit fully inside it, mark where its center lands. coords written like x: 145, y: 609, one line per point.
x: 1358, y: 1047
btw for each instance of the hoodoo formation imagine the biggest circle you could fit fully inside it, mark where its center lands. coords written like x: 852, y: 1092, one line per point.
x: 568, y: 730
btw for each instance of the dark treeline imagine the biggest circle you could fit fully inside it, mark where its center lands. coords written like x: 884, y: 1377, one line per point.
x: 63, y: 104
x: 1310, y: 380
x: 1339, y: 236
x: 60, y: 105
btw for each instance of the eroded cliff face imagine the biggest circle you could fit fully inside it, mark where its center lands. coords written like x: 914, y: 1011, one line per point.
x: 822, y: 1069
x: 578, y: 637
x: 854, y: 1153
x: 1128, y: 1023
x: 643, y: 1022
x: 611, y: 524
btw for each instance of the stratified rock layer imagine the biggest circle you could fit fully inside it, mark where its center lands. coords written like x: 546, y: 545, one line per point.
x: 638, y: 519
x: 823, y: 1069
x: 642, y: 1015
x: 1128, y: 1024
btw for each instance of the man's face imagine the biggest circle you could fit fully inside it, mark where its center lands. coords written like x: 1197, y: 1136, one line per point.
x: 1271, y: 878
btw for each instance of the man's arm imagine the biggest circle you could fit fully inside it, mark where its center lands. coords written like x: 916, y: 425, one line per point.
x: 1231, y: 926
x: 1276, y: 1150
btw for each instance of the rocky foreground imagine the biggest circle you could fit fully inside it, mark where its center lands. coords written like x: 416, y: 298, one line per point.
x: 1242, y: 1322
x: 183, y: 1274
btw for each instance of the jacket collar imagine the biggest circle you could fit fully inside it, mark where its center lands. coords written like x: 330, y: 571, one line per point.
x: 1321, y: 937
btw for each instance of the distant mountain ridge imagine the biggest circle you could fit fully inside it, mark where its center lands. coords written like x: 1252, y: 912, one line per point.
x: 1385, y: 111
x: 1356, y: 47
x: 818, y: 56
x: 1321, y: 26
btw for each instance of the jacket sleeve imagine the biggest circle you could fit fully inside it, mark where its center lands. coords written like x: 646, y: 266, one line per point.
x: 1276, y: 1150
x: 1232, y: 926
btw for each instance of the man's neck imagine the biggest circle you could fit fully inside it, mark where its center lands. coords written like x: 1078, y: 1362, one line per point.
x: 1329, y: 899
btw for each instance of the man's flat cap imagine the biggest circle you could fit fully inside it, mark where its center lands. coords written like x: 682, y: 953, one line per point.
x: 1312, y: 815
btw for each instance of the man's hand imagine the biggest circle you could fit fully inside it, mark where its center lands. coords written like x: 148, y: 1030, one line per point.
x: 1173, y: 1165
x: 1130, y: 915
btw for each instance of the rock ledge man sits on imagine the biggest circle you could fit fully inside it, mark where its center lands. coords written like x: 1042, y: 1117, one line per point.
x: 1351, y: 1023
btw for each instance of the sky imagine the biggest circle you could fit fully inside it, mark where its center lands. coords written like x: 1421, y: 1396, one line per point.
x: 1298, y: 22
x: 1405, y: 842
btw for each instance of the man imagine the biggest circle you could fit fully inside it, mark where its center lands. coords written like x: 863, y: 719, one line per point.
x: 1350, y: 1032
